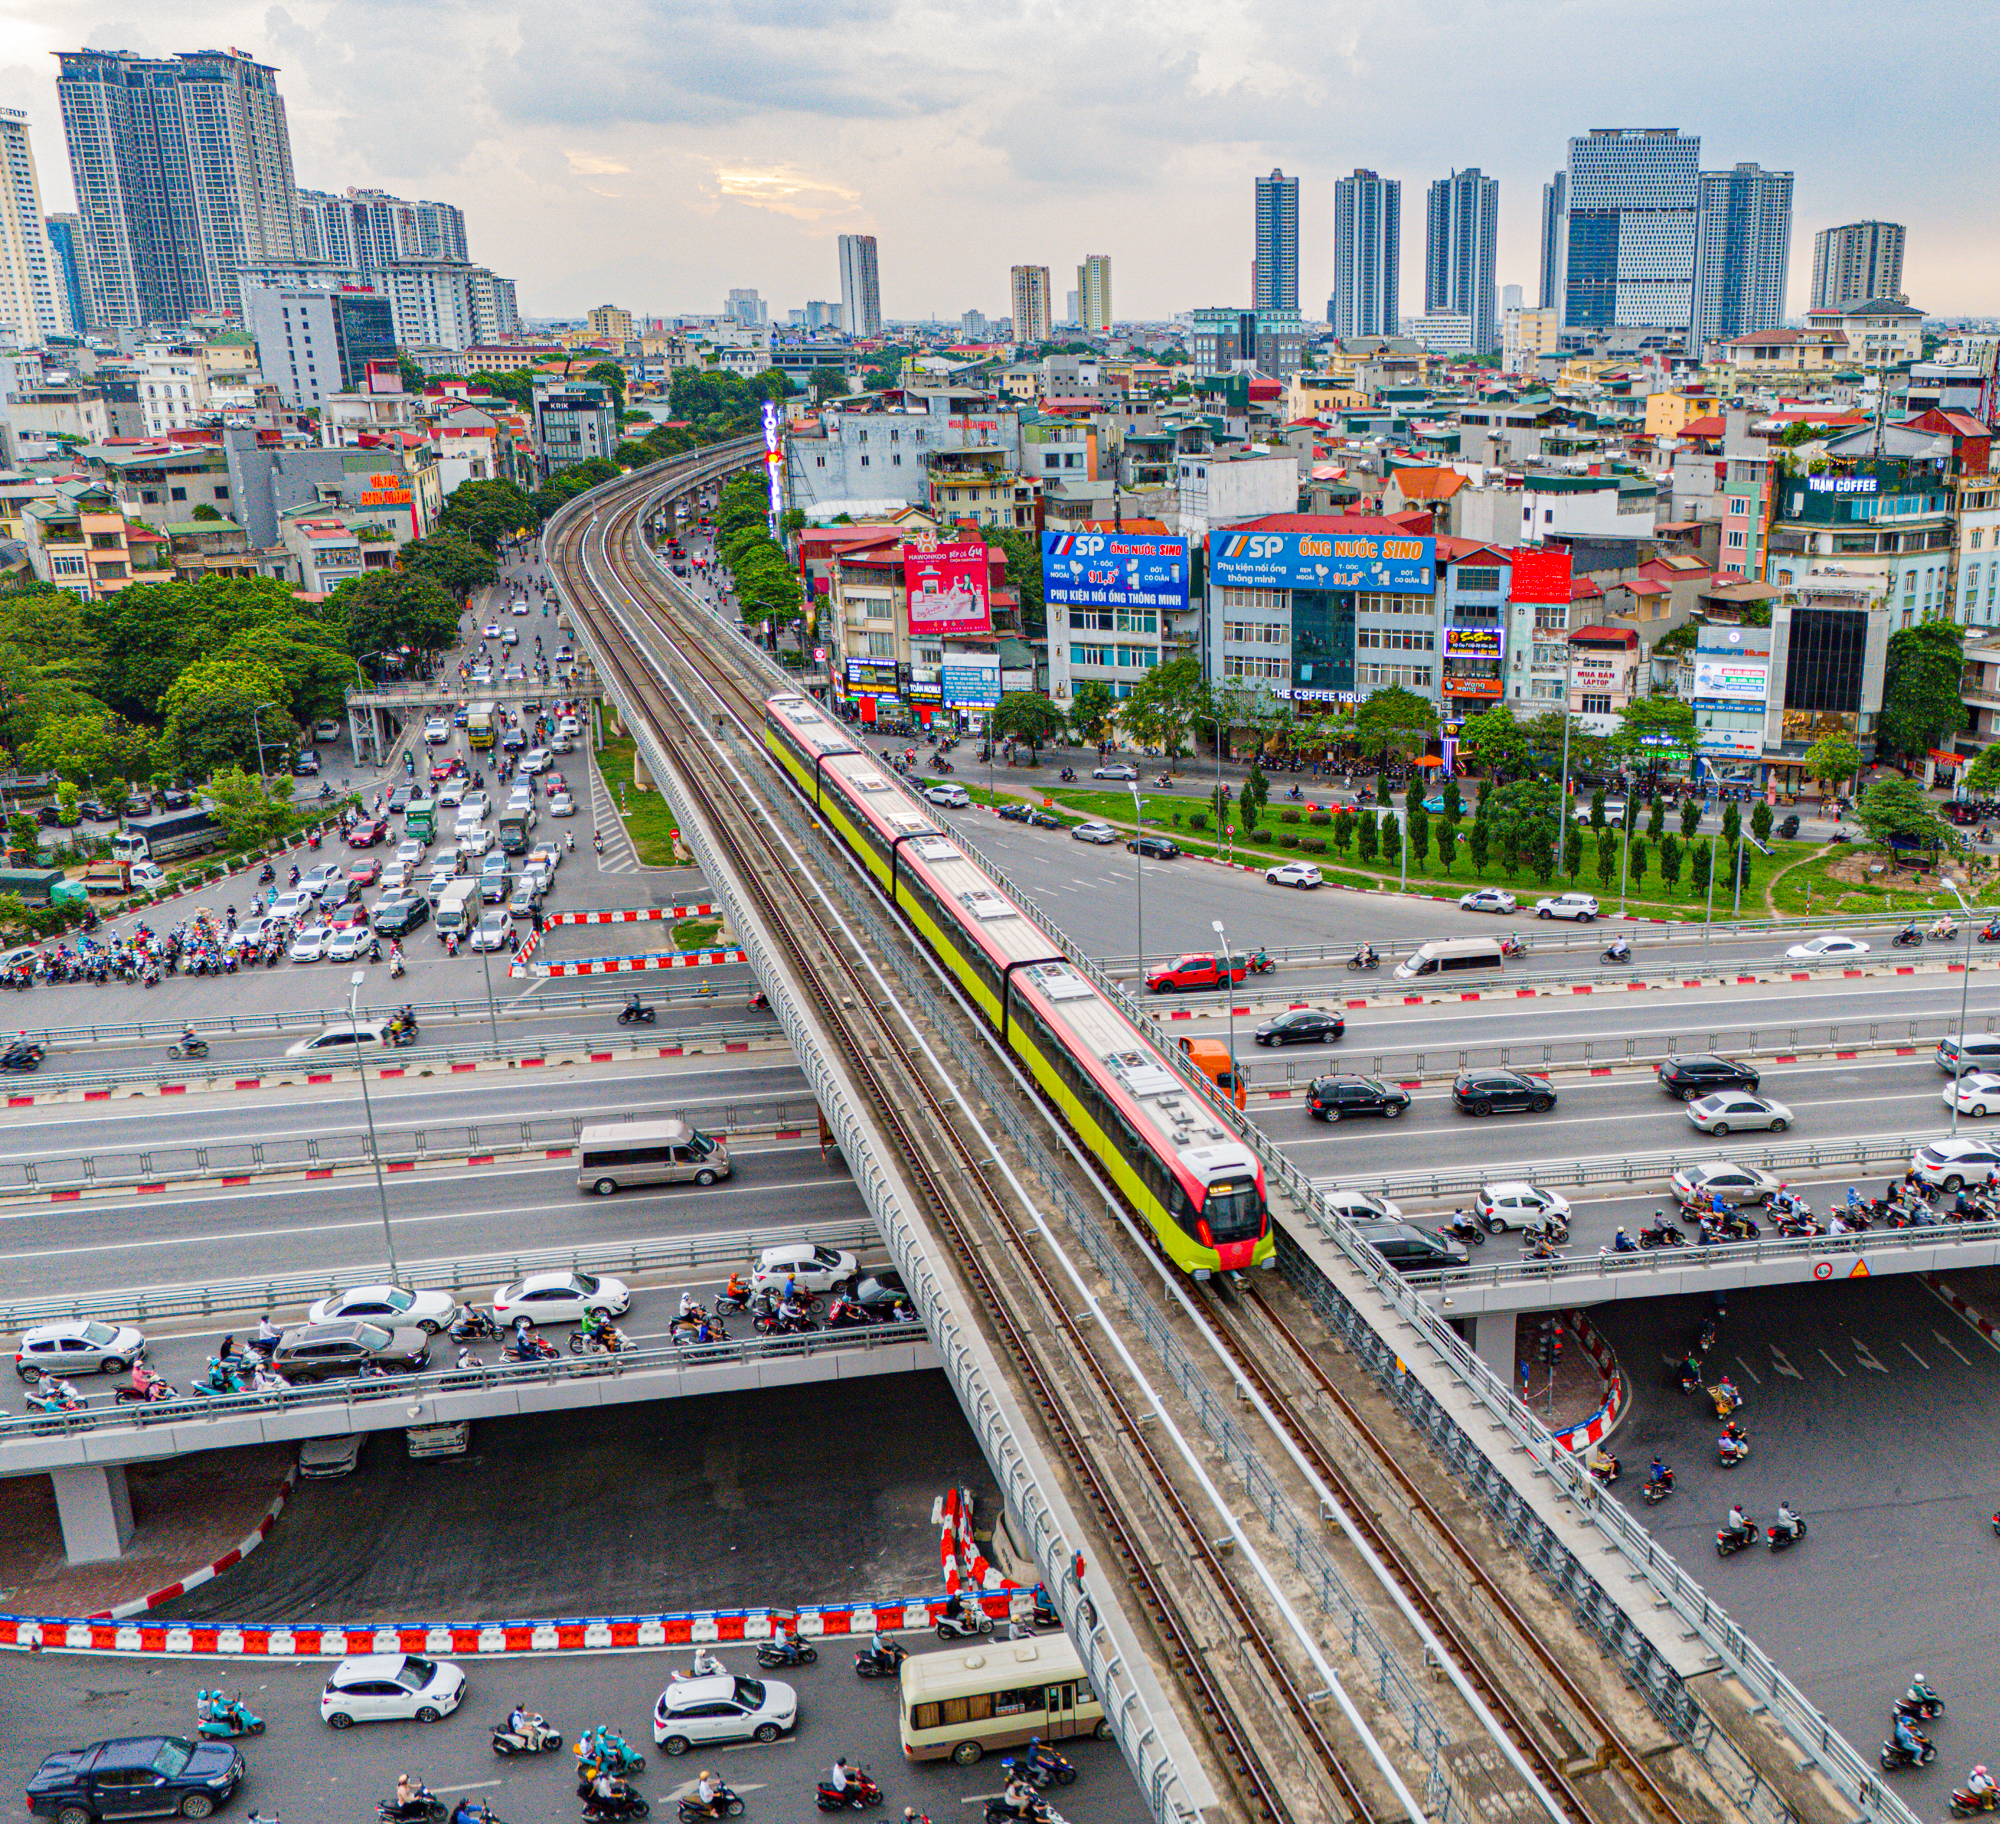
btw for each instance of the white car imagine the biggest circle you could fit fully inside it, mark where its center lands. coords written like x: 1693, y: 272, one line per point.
x: 560, y: 743
x: 1294, y: 874
x: 568, y: 725
x: 550, y: 852
x: 337, y: 1041
x: 1489, y: 899
x: 1117, y: 770
x: 695, y: 1711
x: 1826, y: 949
x: 453, y: 795
x: 345, y: 946
x: 391, y: 1688
x: 1977, y: 1093
x: 517, y: 607
x: 1731, y: 1111
x: 493, y: 930
x: 1954, y: 1164
x: 560, y: 1298
x: 410, y: 851
x: 1733, y: 1183
x: 290, y: 905
x: 491, y: 630
x: 316, y: 879
x: 392, y: 1306
x: 310, y: 945
x: 562, y: 805
x: 535, y: 760
x: 436, y: 734
x: 816, y: 1269
x: 1094, y: 832
x: 1512, y: 1204
x: 1579, y: 906
x: 78, y: 1346
x: 953, y: 797
x: 395, y: 878
x: 474, y: 805
x: 474, y: 841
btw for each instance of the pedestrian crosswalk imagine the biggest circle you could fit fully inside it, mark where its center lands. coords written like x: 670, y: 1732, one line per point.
x: 619, y: 855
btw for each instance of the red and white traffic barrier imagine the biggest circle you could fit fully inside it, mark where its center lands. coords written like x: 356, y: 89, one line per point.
x: 1598, y: 1426
x: 195, y: 1579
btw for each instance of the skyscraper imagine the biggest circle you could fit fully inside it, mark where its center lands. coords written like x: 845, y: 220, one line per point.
x: 1275, y: 275
x: 327, y: 229
x: 1555, y: 241
x: 860, y: 288
x: 1743, y: 244
x: 1093, y: 293
x: 72, y: 254
x: 1367, y: 256
x: 183, y: 169
x: 1031, y: 304
x: 34, y: 299
x: 1458, y: 253
x: 1633, y: 194
x: 1857, y: 263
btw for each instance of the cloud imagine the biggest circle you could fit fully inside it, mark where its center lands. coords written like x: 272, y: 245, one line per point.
x: 588, y: 164
x: 784, y: 191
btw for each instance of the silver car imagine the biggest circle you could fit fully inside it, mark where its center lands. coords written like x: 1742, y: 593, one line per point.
x: 1732, y: 1111
x: 79, y: 1346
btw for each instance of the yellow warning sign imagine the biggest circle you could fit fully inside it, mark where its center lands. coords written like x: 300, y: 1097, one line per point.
x: 1860, y: 1270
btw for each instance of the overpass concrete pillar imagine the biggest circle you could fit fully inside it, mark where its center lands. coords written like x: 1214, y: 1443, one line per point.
x: 94, y: 1504
x: 642, y: 778
x: 1492, y: 1339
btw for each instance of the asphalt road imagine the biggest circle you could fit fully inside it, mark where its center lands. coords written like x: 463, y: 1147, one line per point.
x: 1875, y: 1410
x: 310, y: 1775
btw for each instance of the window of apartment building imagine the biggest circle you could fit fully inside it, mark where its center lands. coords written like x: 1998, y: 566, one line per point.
x: 864, y: 462
x: 1595, y: 706
x: 1736, y: 541
x: 1554, y: 615
x: 1249, y: 665
x: 1545, y: 687
x: 1256, y: 598
x: 1393, y: 604
x: 880, y: 645
x: 1257, y: 633
x: 67, y: 566
x: 1090, y: 655
x: 1739, y: 509
x: 1393, y: 639
x: 820, y: 461
x: 930, y: 655
x: 177, y: 493
x: 1411, y: 677
x: 1479, y: 579
x: 1978, y: 533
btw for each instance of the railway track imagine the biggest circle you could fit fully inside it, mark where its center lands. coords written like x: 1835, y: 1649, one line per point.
x: 971, y: 1211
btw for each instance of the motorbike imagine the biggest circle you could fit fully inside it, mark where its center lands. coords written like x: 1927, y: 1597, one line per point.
x: 998, y: 1811
x: 727, y: 1805
x: 732, y: 1302
x: 1731, y: 1540
x: 533, y: 1349
x: 188, y: 1048
x: 1920, y: 1709
x: 155, y: 1389
x: 844, y: 1314
x: 1657, y: 1491
x: 637, y: 1013
x: 1894, y: 1755
x: 1779, y: 1537
x: 23, y: 1057
x: 1964, y: 1804
x: 965, y: 1626
x: 53, y: 1401
x: 537, y: 1737
x: 860, y: 1793
x: 1604, y: 1468
x: 222, y: 1719
x: 1612, y: 954
x: 602, y: 1811
x: 424, y: 1807
x: 396, y: 968
x: 1260, y: 963
x: 1662, y: 1234
x: 1989, y: 933
x: 1731, y: 1451
x: 1068, y: 775
x: 1364, y: 959
x: 1726, y: 1399
x: 1909, y: 938
x: 474, y: 1325
x: 266, y: 874
x: 792, y: 1653
x: 1047, y: 1768
x: 605, y: 1338
x: 1463, y: 1226
x: 1513, y: 946
x: 1738, y: 1227
x: 776, y: 1323
x: 868, y: 1663
x: 606, y: 1751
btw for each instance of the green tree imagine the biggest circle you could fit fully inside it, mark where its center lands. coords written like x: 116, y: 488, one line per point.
x: 1542, y: 852
x: 1572, y: 851
x: 486, y: 512
x: 208, y: 715
x: 1690, y: 817
x: 91, y: 747
x: 1900, y: 809
x: 1091, y: 710
x: 67, y: 799
x: 1395, y: 721
x: 826, y: 383
x: 1447, y: 844
x: 1656, y: 822
x: 1701, y: 858
x: 1492, y: 742
x: 250, y: 815
x: 1479, y: 843
x: 1982, y: 776
x: 610, y: 375
x: 1607, y: 858
x: 1644, y: 716
x: 1732, y: 824
x: 1420, y: 834
x: 1454, y: 805
x: 206, y: 514
x: 1833, y: 760
x: 1597, y: 809
x: 1921, y: 701
x: 388, y: 610
x: 1344, y: 823
x: 1024, y: 572
x: 1760, y: 821
x: 1670, y: 860
x: 1511, y: 837
x: 1028, y: 716
x: 452, y: 560
x: 1637, y: 865
x: 1368, y: 838
x: 1382, y: 787
x: 1164, y: 704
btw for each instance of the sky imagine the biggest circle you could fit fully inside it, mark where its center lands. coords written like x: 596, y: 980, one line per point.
x: 655, y: 154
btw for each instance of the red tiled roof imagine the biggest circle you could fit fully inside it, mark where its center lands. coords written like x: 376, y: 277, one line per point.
x: 1428, y: 484
x: 1702, y: 427
x: 1453, y: 550
x: 1623, y: 636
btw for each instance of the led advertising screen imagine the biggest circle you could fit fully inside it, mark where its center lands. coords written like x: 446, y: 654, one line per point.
x: 1474, y: 643
x: 947, y: 585
x: 1386, y: 563
x: 1539, y: 576
x: 1115, y: 570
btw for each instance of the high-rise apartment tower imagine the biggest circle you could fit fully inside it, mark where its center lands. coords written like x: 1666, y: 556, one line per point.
x: 1367, y: 255
x: 1093, y: 293
x: 1743, y: 246
x: 1857, y: 263
x: 34, y: 294
x: 1275, y: 272
x: 1458, y: 253
x: 860, y: 286
x: 1031, y: 304
x: 1633, y: 195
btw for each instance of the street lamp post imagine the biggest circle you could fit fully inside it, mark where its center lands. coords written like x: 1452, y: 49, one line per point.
x: 1964, y: 994
x: 1229, y: 983
x: 1708, y: 919
x: 492, y: 1011
x: 1562, y: 796
x: 1139, y: 875
x: 368, y: 1113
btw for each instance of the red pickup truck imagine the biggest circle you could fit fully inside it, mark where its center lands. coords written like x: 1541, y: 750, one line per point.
x: 1198, y: 969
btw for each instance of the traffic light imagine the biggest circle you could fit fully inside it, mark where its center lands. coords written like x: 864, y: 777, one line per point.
x: 1548, y: 1340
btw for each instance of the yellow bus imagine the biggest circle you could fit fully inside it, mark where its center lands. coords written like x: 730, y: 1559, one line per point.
x: 962, y: 1704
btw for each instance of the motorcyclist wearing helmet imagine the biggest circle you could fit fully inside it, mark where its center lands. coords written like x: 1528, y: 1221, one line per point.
x: 708, y: 1794
x: 1739, y: 1521
x: 1907, y: 1739
x: 1787, y: 1522
x: 1622, y: 1243
x: 1979, y: 1782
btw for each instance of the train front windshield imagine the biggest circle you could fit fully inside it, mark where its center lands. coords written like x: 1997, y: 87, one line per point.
x: 1234, y: 1210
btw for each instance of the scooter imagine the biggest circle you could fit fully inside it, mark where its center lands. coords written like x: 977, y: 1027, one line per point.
x: 222, y: 1719
x: 1964, y: 1804
x: 156, y: 1389
x: 859, y: 1794
x: 424, y: 1807
x: 1612, y: 954
x: 475, y: 1326
x: 1727, y: 1400
x: 727, y: 1805
x: 793, y: 1653
x: 1657, y: 1491
x: 188, y: 1048
x: 1364, y: 959
x: 1919, y: 1709
x: 1662, y: 1234
x: 1894, y: 1755
x: 1464, y: 1226
x: 636, y: 1013
x: 965, y: 1626
x: 1730, y: 1540
x: 1260, y: 963
x: 606, y: 1751
x: 868, y: 1663
x: 1909, y: 938
x: 1780, y: 1537
x: 1731, y: 1451
x: 536, y: 1737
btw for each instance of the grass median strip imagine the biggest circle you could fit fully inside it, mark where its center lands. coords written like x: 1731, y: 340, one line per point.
x: 649, y: 820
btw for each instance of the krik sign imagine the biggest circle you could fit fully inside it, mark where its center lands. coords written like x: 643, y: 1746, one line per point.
x: 1386, y: 563
x: 1115, y: 570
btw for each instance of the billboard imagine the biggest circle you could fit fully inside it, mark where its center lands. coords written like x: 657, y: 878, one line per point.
x: 947, y: 585
x: 1725, y: 678
x: 1115, y: 570
x: 1539, y: 576
x: 1474, y: 643
x: 1471, y: 687
x: 1391, y: 563
x: 872, y: 677
x: 973, y: 686
x: 1748, y: 742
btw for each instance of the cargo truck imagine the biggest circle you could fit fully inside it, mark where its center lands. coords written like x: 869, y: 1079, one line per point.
x: 165, y: 838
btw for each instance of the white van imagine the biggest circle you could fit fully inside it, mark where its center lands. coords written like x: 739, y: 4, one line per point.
x: 457, y: 909
x: 1449, y: 955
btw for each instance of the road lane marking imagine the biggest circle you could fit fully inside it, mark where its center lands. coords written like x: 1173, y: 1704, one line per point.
x: 1750, y: 1371
x: 1781, y: 1363
x: 1939, y: 1334
x: 1915, y: 1357
x: 1867, y: 1357
x: 1835, y: 1366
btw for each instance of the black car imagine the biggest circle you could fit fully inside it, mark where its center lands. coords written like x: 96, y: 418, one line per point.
x: 882, y: 1292
x: 176, y: 798
x: 1302, y: 1026
x: 318, y: 1352
x: 1014, y: 812
x: 95, y: 811
x: 1156, y: 846
x: 136, y: 1776
x: 1701, y: 1073
x: 1336, y: 1098
x: 1490, y: 1092
x: 399, y: 799
x: 399, y: 917
x: 50, y: 817
x: 306, y: 766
